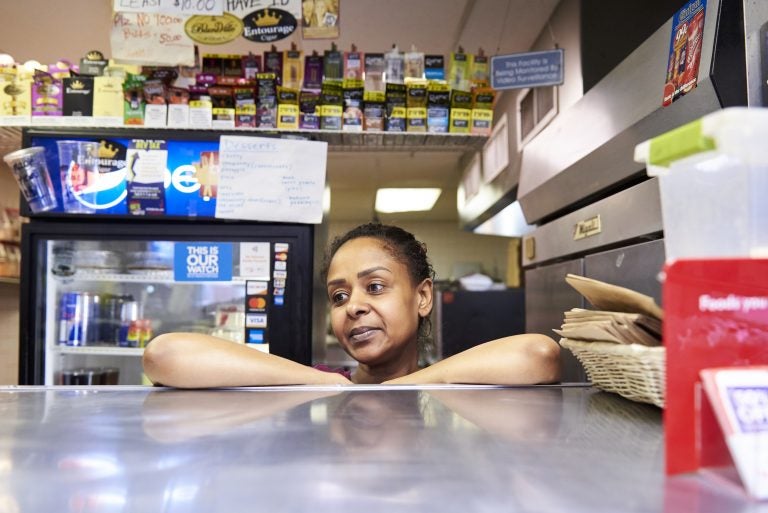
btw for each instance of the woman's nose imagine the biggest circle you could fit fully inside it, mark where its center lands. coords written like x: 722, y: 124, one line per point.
x: 357, y: 306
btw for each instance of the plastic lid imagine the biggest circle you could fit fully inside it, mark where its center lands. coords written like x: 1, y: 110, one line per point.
x: 738, y: 130
x: 674, y: 145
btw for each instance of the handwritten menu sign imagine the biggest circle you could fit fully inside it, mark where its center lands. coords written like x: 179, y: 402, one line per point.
x: 151, y: 38
x: 269, y: 179
x: 182, y: 7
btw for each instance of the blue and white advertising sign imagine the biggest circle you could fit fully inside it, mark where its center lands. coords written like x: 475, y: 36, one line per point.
x: 531, y: 69
x: 202, y: 261
x: 190, y: 176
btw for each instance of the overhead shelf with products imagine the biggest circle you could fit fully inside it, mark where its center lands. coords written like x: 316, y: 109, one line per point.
x: 338, y: 140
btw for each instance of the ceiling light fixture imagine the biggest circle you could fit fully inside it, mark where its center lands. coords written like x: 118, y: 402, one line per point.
x: 389, y: 201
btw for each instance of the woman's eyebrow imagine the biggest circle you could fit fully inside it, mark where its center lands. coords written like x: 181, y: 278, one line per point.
x: 372, y: 270
x: 361, y: 274
x: 338, y: 281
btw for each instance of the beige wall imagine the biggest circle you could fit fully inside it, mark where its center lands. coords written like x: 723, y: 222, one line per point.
x: 9, y: 342
x: 9, y: 293
x: 450, y: 249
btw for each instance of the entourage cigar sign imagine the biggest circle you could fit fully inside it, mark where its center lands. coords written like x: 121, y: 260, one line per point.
x: 268, y: 25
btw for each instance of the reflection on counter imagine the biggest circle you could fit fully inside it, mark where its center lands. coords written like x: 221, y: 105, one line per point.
x: 384, y: 448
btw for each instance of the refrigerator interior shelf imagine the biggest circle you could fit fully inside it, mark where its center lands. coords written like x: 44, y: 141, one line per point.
x: 148, y: 276
x: 97, y: 350
x: 143, y: 277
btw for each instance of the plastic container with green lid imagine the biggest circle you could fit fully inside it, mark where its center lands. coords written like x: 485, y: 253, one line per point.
x: 713, y: 179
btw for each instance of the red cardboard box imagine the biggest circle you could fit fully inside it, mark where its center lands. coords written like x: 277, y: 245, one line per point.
x: 716, y: 315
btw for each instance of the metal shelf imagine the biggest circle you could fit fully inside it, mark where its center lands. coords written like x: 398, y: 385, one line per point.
x: 97, y: 350
x: 338, y: 140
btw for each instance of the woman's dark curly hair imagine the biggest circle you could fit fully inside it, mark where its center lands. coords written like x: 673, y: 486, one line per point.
x: 404, y: 248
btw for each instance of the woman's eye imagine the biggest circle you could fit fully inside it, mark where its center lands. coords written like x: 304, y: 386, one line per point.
x: 375, y: 288
x: 338, y: 297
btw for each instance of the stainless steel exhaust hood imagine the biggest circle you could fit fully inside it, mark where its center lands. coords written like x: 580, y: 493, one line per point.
x: 595, y: 212
x: 586, y: 152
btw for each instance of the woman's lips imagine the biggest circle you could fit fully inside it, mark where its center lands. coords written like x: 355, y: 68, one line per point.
x: 362, y: 334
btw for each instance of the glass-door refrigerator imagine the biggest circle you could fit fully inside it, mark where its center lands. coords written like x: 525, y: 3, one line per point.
x: 99, y: 292
x: 101, y: 280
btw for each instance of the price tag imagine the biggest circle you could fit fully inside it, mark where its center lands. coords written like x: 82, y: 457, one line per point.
x: 180, y: 7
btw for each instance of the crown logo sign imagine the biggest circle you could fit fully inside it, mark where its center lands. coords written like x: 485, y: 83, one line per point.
x: 107, y: 151
x: 267, y: 19
x: 94, y: 55
x: 76, y: 84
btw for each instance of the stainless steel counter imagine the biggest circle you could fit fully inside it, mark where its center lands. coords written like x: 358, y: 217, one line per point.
x: 309, y: 449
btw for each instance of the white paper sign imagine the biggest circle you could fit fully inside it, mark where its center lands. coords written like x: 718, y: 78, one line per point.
x: 151, y: 38
x: 269, y: 179
x: 241, y: 8
x: 254, y: 260
x: 182, y: 7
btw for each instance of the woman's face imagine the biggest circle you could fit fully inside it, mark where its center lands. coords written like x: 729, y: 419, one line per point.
x: 375, y: 308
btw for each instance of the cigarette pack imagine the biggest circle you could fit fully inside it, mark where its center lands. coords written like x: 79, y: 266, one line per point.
x: 108, y: 100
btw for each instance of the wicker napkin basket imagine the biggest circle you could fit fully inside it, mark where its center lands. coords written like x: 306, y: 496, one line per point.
x: 631, y: 370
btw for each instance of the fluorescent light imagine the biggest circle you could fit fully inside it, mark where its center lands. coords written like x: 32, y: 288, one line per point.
x: 406, y: 200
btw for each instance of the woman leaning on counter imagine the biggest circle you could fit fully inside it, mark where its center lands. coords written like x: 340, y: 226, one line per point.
x: 380, y: 288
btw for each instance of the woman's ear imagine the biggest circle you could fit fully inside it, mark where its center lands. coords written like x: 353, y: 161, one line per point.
x: 424, y: 293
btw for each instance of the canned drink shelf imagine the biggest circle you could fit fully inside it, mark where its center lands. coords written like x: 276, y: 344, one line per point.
x: 98, y: 350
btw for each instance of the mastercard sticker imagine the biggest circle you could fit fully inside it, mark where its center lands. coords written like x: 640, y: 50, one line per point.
x: 257, y: 304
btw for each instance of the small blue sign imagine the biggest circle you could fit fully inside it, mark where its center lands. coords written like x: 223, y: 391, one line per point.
x: 255, y: 337
x: 532, y: 69
x: 202, y: 261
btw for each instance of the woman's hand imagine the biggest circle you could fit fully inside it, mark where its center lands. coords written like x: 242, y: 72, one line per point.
x: 527, y: 359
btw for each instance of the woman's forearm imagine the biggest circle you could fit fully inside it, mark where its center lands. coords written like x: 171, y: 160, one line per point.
x: 194, y: 360
x: 516, y: 360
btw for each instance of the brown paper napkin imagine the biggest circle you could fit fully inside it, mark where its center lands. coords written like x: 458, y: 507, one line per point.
x: 613, y: 298
x: 616, y: 327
